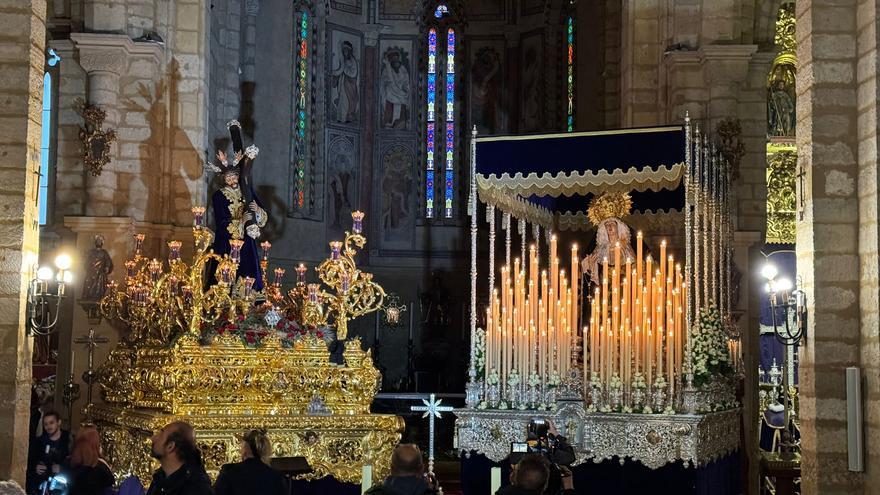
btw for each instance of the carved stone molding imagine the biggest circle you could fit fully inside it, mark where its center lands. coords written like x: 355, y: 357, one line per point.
x: 110, y: 52
x: 726, y: 64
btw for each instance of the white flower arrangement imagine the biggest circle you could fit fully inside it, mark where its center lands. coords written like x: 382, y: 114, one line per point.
x: 513, y: 379
x: 493, y: 377
x: 480, y: 352
x: 534, y: 380
x: 639, y: 381
x: 554, y: 380
x: 709, y: 353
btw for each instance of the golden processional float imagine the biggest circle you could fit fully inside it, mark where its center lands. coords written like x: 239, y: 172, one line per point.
x: 629, y: 348
x: 211, y: 356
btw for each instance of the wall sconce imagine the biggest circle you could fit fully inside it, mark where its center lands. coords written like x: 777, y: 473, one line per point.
x: 42, y: 317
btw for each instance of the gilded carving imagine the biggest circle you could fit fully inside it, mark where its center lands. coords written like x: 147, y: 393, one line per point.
x: 730, y: 145
x: 781, y: 196
x: 95, y: 140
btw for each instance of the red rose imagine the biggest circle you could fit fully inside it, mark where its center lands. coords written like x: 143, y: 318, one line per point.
x: 319, y: 334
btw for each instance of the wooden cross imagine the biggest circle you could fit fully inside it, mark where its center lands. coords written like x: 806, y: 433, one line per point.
x: 431, y: 409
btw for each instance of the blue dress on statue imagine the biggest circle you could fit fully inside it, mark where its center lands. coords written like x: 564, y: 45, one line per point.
x: 229, y: 209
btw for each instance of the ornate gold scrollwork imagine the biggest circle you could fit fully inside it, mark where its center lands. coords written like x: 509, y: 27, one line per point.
x: 95, y: 140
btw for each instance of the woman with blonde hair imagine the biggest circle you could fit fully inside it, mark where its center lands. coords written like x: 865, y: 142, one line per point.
x: 240, y: 478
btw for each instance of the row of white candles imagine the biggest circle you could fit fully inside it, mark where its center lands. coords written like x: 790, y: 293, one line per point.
x: 532, y: 320
x: 637, y: 319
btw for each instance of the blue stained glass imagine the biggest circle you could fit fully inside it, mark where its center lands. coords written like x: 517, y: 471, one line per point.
x: 441, y: 11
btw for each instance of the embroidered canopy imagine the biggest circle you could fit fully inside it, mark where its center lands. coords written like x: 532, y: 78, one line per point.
x: 549, y: 179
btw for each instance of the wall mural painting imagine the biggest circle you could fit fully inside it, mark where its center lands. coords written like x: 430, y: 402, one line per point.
x: 487, y: 86
x: 395, y: 84
x: 343, y: 154
x: 399, y: 194
x: 531, y: 110
x: 345, y: 65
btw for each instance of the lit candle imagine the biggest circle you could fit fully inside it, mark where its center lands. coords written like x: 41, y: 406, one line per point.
x: 155, y: 267
x: 357, y: 218
x: 301, y: 274
x: 248, y: 286
x: 235, y: 250
x: 174, y: 251
x: 313, y: 293
x: 198, y: 216
x: 345, y: 282
x: 573, y: 299
x: 265, y: 247
x: 335, y: 249
x: 130, y: 266
x: 187, y: 292
x: 138, y: 244
x: 279, y: 274
x: 225, y: 273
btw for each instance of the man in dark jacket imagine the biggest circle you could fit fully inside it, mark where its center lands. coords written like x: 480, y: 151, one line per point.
x: 407, y: 474
x: 531, y: 475
x: 181, y: 471
x: 241, y: 478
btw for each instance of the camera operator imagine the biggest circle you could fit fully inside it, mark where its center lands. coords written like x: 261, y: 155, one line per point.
x: 531, y: 476
x: 556, y: 454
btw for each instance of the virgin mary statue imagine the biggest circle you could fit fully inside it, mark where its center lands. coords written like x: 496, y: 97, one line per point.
x: 605, y: 214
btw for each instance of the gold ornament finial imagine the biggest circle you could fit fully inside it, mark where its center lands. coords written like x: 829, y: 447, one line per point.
x: 609, y: 205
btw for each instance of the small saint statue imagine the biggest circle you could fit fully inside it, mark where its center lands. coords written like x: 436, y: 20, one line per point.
x: 99, y: 266
x: 238, y: 212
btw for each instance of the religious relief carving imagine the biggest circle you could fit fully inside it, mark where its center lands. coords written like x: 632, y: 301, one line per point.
x: 345, y: 77
x: 730, y: 145
x: 395, y: 90
x: 781, y: 202
x: 95, y: 140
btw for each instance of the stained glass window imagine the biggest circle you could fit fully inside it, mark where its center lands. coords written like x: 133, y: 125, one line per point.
x: 569, y: 41
x: 440, y: 121
x: 300, y: 112
x: 432, y: 97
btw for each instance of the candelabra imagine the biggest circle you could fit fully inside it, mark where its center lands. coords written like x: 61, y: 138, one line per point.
x: 792, y: 303
x: 349, y: 292
x: 159, y: 303
x: 42, y: 316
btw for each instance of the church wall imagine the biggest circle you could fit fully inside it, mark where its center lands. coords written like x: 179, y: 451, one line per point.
x: 21, y: 89
x: 869, y: 222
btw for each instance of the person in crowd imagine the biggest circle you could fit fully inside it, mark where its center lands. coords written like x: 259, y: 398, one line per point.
x: 240, y: 478
x: 47, y: 452
x: 181, y: 471
x: 408, y: 475
x: 87, y: 472
x: 531, y: 475
x: 10, y: 488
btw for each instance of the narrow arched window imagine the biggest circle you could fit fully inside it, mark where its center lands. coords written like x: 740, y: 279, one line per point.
x: 441, y: 46
x: 47, y: 141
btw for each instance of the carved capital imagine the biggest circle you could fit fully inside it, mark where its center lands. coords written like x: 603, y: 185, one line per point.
x: 102, y: 52
x: 726, y: 64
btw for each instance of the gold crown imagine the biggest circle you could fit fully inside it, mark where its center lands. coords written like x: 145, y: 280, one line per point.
x: 609, y: 205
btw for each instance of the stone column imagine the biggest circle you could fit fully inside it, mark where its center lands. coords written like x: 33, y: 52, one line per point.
x: 103, y: 57
x: 725, y: 68
x: 22, y: 59
x: 828, y: 233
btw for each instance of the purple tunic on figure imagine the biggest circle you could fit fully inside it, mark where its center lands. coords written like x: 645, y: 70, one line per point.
x: 229, y: 209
